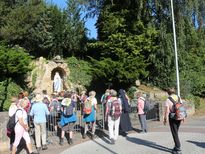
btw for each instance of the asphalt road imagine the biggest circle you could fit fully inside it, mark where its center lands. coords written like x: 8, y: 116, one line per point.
x: 157, y: 141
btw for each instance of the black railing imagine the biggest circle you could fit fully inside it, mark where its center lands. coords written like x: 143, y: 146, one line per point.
x: 53, y: 127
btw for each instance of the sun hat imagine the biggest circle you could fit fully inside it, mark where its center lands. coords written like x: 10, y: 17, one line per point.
x: 38, y: 98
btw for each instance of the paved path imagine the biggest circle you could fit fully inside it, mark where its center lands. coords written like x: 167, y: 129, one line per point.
x: 151, y: 143
x: 157, y: 141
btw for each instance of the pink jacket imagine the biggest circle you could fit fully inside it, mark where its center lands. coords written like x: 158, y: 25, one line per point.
x: 140, y: 105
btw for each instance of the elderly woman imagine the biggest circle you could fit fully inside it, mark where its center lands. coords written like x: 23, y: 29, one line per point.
x: 113, y: 113
x: 21, y: 128
x: 91, y: 102
x: 141, y: 112
x: 12, y: 110
x: 68, y: 117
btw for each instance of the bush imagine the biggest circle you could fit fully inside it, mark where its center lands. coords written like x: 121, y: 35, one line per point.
x: 195, y: 100
x: 131, y: 92
x: 14, y: 62
x: 80, y: 73
x: 7, y: 89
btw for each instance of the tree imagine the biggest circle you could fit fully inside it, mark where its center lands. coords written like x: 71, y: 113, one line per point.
x: 58, y: 23
x: 41, y: 35
x: 123, y: 46
x: 189, y: 30
x: 75, y: 39
x: 15, y: 64
x: 18, y: 21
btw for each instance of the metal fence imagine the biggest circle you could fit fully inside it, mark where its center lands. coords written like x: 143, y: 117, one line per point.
x: 53, y: 121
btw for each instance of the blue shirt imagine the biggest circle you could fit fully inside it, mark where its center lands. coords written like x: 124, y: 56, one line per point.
x: 39, y: 110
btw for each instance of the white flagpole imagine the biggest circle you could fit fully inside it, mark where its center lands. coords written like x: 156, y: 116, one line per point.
x: 175, y: 50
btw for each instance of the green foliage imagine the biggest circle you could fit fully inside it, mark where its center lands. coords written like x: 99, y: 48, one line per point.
x: 75, y: 31
x: 190, y: 45
x: 43, y: 29
x: 15, y: 62
x: 132, y: 92
x: 8, y: 88
x: 123, y: 52
x: 80, y: 73
x: 18, y: 21
x: 58, y: 24
x: 41, y: 34
x: 195, y: 100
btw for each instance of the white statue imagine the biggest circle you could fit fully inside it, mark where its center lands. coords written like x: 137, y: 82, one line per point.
x: 57, y: 83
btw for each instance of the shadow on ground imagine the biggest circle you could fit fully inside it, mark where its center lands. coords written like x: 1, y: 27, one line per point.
x: 199, y: 144
x: 148, y: 144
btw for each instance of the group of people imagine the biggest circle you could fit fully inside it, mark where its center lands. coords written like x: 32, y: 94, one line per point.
x: 64, y: 105
x: 122, y: 123
x: 119, y: 122
x: 59, y: 109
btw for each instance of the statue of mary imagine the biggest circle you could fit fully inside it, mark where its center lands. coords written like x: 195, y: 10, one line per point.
x: 57, y: 83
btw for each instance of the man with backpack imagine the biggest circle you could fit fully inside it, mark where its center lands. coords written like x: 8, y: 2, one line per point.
x: 169, y: 111
x: 112, y: 115
x: 141, y: 105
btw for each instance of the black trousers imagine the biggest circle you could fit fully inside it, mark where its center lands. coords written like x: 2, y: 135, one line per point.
x: 174, y: 126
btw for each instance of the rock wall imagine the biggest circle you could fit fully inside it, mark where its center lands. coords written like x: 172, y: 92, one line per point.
x: 43, y: 73
x: 4, y: 141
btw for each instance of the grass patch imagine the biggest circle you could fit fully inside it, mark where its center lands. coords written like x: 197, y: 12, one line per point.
x: 201, y: 110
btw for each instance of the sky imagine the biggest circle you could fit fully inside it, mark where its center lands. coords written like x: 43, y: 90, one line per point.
x: 90, y: 23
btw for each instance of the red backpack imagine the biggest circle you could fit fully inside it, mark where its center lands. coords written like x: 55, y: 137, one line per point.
x: 115, y: 110
x: 88, y: 106
x: 179, y: 110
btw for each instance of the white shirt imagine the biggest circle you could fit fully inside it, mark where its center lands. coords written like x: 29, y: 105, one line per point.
x: 94, y: 100
x: 21, y: 114
x: 12, y: 109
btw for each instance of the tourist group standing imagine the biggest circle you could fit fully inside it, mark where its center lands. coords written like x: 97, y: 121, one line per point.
x: 60, y: 111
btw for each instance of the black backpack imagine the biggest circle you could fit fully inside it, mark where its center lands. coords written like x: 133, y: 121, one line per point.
x: 68, y: 108
x: 146, y: 106
x: 11, y: 124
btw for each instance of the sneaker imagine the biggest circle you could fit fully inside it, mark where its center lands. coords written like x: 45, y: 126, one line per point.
x: 61, y: 141
x: 176, y: 151
x: 124, y: 134
x: 70, y: 141
x: 84, y: 136
x: 44, y: 147
x: 34, y: 153
x: 38, y: 149
x: 92, y: 136
x: 112, y: 141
